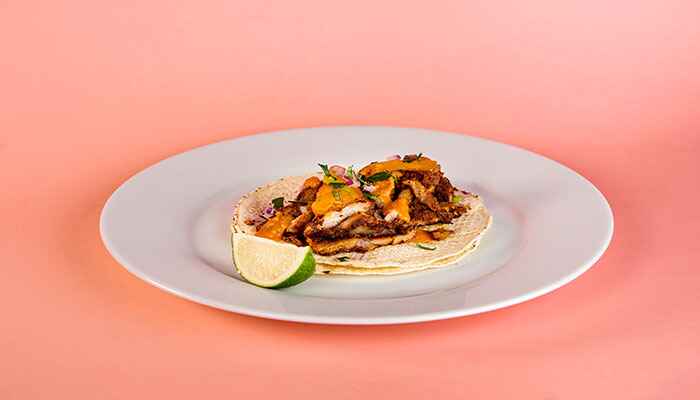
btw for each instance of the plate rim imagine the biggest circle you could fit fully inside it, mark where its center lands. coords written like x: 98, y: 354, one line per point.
x: 354, y: 320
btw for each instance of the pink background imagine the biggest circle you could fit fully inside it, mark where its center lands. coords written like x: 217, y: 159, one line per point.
x: 92, y: 92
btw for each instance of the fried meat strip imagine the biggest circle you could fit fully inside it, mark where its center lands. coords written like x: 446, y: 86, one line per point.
x: 422, y: 194
x: 308, y: 191
x: 355, y: 244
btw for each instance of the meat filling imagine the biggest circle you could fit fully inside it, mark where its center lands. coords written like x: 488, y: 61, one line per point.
x: 399, y: 197
x: 308, y: 191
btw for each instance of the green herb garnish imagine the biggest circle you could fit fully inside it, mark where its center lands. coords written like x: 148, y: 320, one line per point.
x: 349, y: 172
x: 343, y: 258
x: 424, y: 247
x: 336, y: 195
x: 457, y: 199
x: 370, y: 196
x: 360, y: 179
x: 278, y: 202
x: 325, y: 169
x: 379, y: 176
x: 332, y: 180
x: 408, y: 159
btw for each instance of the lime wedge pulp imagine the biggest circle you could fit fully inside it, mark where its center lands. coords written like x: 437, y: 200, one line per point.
x: 270, y: 264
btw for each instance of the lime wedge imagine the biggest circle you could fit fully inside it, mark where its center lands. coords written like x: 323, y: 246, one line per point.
x: 270, y: 264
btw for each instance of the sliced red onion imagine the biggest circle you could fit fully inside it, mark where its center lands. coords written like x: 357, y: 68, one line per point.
x: 268, y: 212
x: 394, y: 157
x: 347, y: 180
x: 337, y: 170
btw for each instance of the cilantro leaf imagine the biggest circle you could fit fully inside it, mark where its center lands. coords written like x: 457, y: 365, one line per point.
x: 325, y: 169
x: 278, y: 202
x: 370, y: 196
x: 424, y: 247
x: 379, y: 176
x: 360, y: 179
x: 349, y: 172
x: 409, y: 158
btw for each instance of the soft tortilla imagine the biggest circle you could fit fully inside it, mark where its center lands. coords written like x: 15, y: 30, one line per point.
x: 386, y: 260
x: 325, y: 269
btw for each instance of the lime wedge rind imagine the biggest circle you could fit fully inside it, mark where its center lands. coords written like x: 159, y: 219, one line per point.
x: 270, y: 264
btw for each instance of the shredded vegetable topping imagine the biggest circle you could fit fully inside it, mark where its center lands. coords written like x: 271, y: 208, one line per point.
x: 357, y: 210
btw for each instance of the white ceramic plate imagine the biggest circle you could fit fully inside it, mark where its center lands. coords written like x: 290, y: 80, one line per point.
x: 169, y: 225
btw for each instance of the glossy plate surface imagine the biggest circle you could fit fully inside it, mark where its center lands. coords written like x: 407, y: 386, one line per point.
x: 169, y: 225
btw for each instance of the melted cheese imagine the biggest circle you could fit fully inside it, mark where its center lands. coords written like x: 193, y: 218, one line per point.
x: 331, y: 199
x: 383, y: 191
x: 421, y: 164
x: 422, y: 237
x: 397, y: 209
x: 275, y: 226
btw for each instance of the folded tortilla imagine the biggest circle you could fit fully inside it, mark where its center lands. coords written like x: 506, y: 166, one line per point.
x: 385, y: 260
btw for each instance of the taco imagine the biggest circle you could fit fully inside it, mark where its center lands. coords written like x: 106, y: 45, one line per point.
x: 390, y: 217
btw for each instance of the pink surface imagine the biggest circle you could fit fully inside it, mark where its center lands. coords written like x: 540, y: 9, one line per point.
x: 92, y: 92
